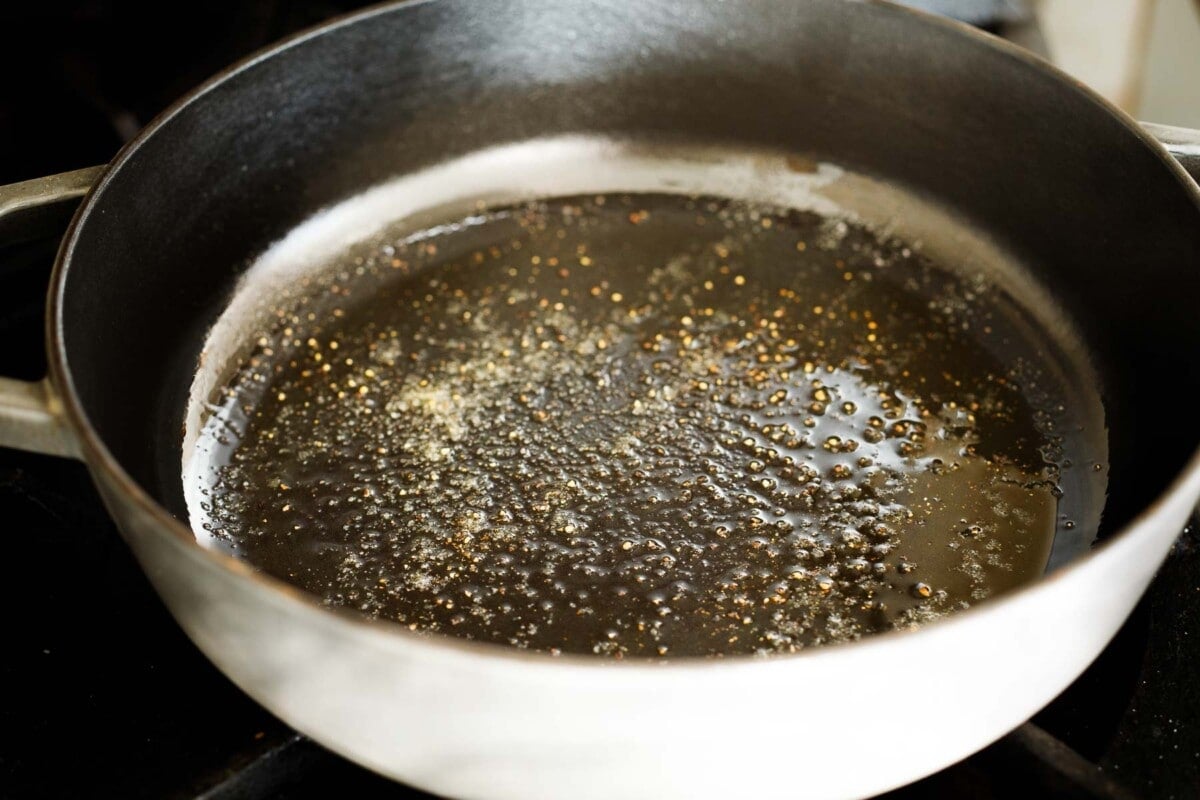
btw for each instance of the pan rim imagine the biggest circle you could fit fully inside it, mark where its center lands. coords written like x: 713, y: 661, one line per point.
x: 99, y: 459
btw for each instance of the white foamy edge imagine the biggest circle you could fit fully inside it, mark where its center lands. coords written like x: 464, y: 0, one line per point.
x: 546, y: 168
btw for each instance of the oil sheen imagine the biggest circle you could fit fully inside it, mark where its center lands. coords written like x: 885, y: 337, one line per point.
x: 643, y: 425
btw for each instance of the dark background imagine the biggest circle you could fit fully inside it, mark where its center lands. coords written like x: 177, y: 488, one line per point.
x: 80, y: 77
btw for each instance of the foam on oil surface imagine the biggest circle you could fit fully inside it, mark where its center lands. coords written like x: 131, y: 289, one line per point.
x: 642, y: 424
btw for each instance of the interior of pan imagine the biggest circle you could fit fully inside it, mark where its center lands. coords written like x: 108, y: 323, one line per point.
x: 1037, y: 166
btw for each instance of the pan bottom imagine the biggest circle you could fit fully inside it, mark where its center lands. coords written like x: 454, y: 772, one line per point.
x: 645, y: 424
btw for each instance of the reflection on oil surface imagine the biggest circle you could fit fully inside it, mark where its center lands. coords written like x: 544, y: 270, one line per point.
x: 643, y: 425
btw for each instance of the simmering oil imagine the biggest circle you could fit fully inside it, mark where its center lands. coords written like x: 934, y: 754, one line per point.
x: 643, y: 425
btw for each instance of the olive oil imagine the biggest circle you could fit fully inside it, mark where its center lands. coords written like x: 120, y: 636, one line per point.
x: 643, y: 425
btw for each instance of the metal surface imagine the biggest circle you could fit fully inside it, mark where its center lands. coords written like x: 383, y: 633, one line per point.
x: 1065, y: 182
x: 30, y: 209
x: 1182, y: 143
x: 31, y: 419
x: 976, y: 12
x: 30, y: 414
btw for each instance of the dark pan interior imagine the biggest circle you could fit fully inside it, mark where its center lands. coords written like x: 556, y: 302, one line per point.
x: 1040, y: 166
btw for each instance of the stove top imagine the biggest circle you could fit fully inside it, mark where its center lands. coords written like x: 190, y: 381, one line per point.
x: 101, y: 694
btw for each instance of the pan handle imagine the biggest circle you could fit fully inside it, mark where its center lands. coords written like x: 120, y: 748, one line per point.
x: 1182, y: 143
x: 31, y: 412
